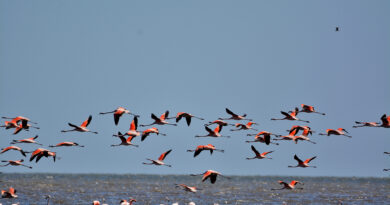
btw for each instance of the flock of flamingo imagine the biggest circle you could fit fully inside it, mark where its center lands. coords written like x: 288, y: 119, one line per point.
x: 22, y: 123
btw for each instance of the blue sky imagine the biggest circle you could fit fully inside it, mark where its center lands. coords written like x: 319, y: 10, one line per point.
x: 61, y: 61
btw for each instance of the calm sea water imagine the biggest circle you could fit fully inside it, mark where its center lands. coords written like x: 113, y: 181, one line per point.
x: 155, y: 189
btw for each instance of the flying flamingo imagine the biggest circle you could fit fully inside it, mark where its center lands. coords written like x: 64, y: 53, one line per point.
x: 290, y: 136
x: 149, y: 131
x: 133, y: 129
x: 289, y: 186
x: 13, y: 148
x: 160, y: 160
x: 339, y: 131
x: 28, y: 140
x: 188, y: 117
x: 366, y: 124
x: 161, y: 120
x: 125, y: 202
x: 9, y: 194
x: 303, y: 164
x: 218, y: 122
x: 82, y: 127
x: 247, y: 126
x: 124, y: 141
x: 309, y: 109
x: 385, y: 121
x: 200, y: 148
x: 67, y: 144
x: 118, y: 113
x: 234, y: 116
x: 258, y: 155
x: 305, y: 133
x: 263, y: 137
x: 212, y: 133
x: 14, y: 163
x: 40, y: 152
x: 210, y: 174
x: 22, y: 126
x: 290, y: 116
x: 188, y: 188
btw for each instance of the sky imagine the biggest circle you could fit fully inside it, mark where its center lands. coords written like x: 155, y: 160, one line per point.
x: 61, y: 61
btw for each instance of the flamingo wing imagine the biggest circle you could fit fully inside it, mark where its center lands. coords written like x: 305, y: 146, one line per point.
x: 197, y: 152
x: 384, y: 119
x: 86, y: 122
x: 230, y: 112
x: 116, y: 118
x: 255, y: 150
x: 308, y: 160
x: 72, y: 125
x: 208, y: 130
x: 134, y: 124
x: 267, y: 139
x: 297, y: 158
x: 154, y: 117
x: 165, y: 115
x: 285, y: 114
x: 213, y: 178
x: 188, y: 120
x: 179, y: 116
x: 163, y: 155
x: 265, y: 153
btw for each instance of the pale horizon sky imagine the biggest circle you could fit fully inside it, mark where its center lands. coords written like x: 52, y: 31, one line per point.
x: 61, y: 61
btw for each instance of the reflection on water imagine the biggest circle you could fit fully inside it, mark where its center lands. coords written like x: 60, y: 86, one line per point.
x: 155, y: 189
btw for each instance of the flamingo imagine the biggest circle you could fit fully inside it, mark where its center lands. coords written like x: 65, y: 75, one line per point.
x: 13, y: 148
x: 247, y: 126
x: 160, y: 160
x: 339, y: 131
x: 188, y: 188
x: 263, y: 137
x: 124, y: 141
x: 125, y: 202
x: 200, y: 148
x: 10, y: 194
x: 210, y: 174
x: 82, y: 127
x: 305, y: 133
x: 14, y: 163
x: 301, y: 127
x: 234, y: 116
x: 258, y: 155
x: 385, y: 121
x: 188, y: 117
x: 303, y: 164
x: 366, y: 124
x: 212, y: 133
x: 289, y: 186
x: 291, y: 116
x: 22, y: 126
x: 133, y: 129
x: 118, y: 113
x: 161, y: 120
x: 40, y: 152
x: 290, y: 136
x: 309, y: 109
x: 150, y: 131
x: 28, y: 140
x: 218, y: 122
x: 67, y: 144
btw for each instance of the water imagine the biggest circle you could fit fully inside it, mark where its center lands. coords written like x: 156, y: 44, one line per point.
x: 155, y: 189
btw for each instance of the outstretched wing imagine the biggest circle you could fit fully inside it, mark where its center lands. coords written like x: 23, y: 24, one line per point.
x: 208, y: 129
x: 297, y: 158
x: 86, y: 122
x: 255, y: 150
x: 308, y: 160
x: 123, y: 139
x: 267, y: 139
x: 165, y: 115
x: 285, y: 114
x: 116, y: 118
x: 188, y: 119
x: 154, y: 117
x: 230, y: 112
x: 134, y: 124
x: 163, y: 155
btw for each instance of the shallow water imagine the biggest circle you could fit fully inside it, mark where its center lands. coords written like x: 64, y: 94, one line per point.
x: 155, y: 189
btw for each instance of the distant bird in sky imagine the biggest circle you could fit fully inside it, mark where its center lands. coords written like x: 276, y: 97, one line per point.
x: 40, y: 152
x: 213, y: 133
x: 290, y: 116
x: 303, y: 164
x: 13, y: 148
x: 28, y: 140
x: 11, y: 193
x: 258, y: 155
x: 263, y: 137
x: 188, y: 117
x: 339, y: 131
x: 385, y: 121
x: 210, y: 174
x: 366, y: 124
x: 82, y: 127
x: 309, y: 109
x: 247, y: 126
x: 291, y: 185
x: 149, y: 131
x: 160, y: 160
x: 161, y: 120
x: 133, y: 128
x: 200, y: 148
x: 219, y: 122
x: 67, y: 144
x: 124, y: 141
x: 188, y: 188
x: 118, y: 113
x: 234, y: 116
x: 14, y: 163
